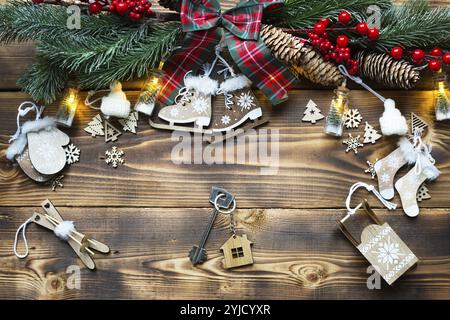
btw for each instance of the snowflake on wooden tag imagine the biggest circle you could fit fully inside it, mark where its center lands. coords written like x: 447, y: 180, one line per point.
x: 352, y: 143
x: 114, y: 157
x: 371, y: 168
x: 352, y: 118
x: 72, y: 154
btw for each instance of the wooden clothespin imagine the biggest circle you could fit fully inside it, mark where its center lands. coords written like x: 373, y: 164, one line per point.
x: 81, y: 244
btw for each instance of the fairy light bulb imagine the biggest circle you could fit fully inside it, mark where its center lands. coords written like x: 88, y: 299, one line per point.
x: 441, y: 94
x: 68, y: 106
x: 147, y: 97
x: 338, y: 106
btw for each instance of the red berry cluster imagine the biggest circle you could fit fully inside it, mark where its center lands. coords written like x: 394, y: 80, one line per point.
x: 340, y: 52
x: 418, y: 56
x: 135, y: 9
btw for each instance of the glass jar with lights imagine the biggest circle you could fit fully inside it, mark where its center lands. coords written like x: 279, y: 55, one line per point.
x: 149, y: 92
x: 338, y: 107
x: 441, y: 96
x: 68, y: 104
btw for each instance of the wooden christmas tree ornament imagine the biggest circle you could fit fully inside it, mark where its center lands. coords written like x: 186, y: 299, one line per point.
x: 381, y: 246
x: 65, y: 230
x: 312, y: 113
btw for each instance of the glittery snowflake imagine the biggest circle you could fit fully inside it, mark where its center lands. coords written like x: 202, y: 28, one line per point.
x: 352, y: 118
x: 174, y: 112
x: 352, y: 143
x: 371, y: 168
x: 225, y: 120
x: 384, y: 177
x: 245, y: 101
x: 200, y: 105
x: 72, y: 154
x: 114, y: 157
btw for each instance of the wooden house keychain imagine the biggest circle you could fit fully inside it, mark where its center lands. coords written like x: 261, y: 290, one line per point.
x: 380, y: 245
x: 237, y: 249
x: 65, y: 230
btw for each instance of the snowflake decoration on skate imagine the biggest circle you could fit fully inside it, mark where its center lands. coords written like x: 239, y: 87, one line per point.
x: 352, y: 143
x: 174, y: 112
x: 114, y: 157
x: 352, y: 118
x: 245, y: 101
x: 72, y: 154
x: 384, y: 177
x: 225, y: 120
x: 200, y: 105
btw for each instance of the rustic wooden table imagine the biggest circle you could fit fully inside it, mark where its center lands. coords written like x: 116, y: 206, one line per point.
x: 151, y: 211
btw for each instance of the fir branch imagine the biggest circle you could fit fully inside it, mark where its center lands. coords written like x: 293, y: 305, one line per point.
x: 305, y: 13
x: 412, y: 25
x: 22, y: 21
x: 137, y: 62
x: 43, y: 81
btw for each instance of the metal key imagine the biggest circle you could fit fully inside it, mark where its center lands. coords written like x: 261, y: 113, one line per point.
x: 223, y: 199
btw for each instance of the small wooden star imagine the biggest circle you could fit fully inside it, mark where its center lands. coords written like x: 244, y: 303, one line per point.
x: 352, y: 143
x: 371, y: 168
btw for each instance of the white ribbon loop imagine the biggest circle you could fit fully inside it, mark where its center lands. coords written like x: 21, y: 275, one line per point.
x: 423, y: 152
x: 22, y: 227
x: 370, y: 188
x: 359, y: 81
x: 22, y: 113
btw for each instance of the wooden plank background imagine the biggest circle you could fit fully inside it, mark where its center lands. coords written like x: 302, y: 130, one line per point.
x: 151, y: 211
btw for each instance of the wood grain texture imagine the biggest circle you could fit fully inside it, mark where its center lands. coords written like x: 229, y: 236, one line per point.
x: 297, y: 253
x: 314, y: 170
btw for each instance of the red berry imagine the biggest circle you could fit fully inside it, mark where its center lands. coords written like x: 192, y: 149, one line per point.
x: 436, y: 52
x: 347, y: 50
x: 418, y: 55
x: 111, y: 8
x: 319, y: 28
x: 95, y: 7
x: 344, y: 17
x: 342, y: 41
x: 345, y: 56
x: 115, y: 2
x: 362, y: 28
x: 446, y: 58
x: 141, y: 8
x: 326, y: 57
x: 37, y: 1
x: 122, y: 7
x: 315, y: 42
x: 397, y: 53
x: 434, y: 65
x: 136, y: 17
x: 325, y: 21
x: 149, y: 12
x: 373, y: 34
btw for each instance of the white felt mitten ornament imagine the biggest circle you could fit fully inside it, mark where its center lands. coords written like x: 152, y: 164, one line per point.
x: 392, y: 122
x: 115, y: 104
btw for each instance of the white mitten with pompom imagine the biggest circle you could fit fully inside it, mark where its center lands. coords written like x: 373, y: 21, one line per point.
x: 392, y: 122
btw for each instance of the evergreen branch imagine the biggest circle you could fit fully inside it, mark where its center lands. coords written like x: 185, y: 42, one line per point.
x: 23, y: 21
x: 43, y: 81
x: 412, y: 25
x: 305, y: 13
x: 138, y: 61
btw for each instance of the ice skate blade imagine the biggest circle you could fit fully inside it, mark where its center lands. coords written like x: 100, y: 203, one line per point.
x: 179, y: 128
x: 252, y: 115
x: 234, y: 133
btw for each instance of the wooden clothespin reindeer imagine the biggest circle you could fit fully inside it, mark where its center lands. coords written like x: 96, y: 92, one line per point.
x: 65, y: 230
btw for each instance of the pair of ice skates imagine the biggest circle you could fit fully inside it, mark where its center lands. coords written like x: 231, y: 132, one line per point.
x: 193, y: 105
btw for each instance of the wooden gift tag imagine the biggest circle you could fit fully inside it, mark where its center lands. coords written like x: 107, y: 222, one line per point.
x: 382, y: 247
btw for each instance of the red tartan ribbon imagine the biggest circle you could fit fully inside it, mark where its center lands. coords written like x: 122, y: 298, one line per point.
x: 204, y: 23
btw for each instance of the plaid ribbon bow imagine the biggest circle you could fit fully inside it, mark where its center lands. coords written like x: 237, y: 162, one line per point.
x: 205, y: 26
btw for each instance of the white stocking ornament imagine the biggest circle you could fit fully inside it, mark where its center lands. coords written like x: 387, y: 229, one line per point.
x: 408, y: 185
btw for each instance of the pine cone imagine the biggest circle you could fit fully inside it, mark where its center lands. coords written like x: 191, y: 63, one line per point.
x: 301, y: 57
x: 169, y: 4
x: 383, y: 69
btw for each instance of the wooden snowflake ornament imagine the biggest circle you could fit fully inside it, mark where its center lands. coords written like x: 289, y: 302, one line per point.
x: 352, y: 118
x: 114, y: 157
x: 352, y: 143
